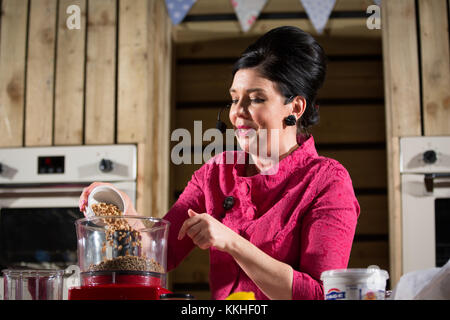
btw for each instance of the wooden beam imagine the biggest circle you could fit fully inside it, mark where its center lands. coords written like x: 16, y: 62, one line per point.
x: 209, y: 30
x: 193, y: 31
x: 402, y: 99
x: 69, y: 82
x: 401, y: 68
x: 154, y: 173
x: 12, y: 75
x: 193, y: 269
x: 142, y: 185
x: 272, y: 6
x: 162, y: 110
x: 40, y: 73
x: 373, y: 219
x: 366, y: 167
x: 133, y: 76
x: 233, y: 48
x: 100, y: 110
x: 345, y: 79
x: 355, y: 123
x: 366, y: 253
x: 434, y: 38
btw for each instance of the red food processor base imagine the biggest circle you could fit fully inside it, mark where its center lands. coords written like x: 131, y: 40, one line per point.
x: 116, y: 292
x: 118, y: 286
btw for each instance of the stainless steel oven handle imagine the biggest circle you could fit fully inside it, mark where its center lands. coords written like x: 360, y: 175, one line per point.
x: 431, y: 177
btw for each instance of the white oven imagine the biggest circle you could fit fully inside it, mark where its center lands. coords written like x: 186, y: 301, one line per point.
x: 39, y: 192
x: 425, y: 173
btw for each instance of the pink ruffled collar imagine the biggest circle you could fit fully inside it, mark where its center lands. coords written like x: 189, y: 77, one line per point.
x: 297, y: 158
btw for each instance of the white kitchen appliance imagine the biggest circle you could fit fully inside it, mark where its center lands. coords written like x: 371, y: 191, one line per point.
x: 39, y: 193
x: 425, y: 176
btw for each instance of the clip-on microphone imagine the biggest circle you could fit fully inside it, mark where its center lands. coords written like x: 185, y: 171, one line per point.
x: 220, y: 124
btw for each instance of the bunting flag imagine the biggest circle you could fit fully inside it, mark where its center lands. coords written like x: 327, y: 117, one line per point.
x: 247, y: 11
x: 318, y: 12
x: 178, y: 9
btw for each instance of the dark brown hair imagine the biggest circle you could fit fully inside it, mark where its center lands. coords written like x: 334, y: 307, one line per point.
x: 292, y: 59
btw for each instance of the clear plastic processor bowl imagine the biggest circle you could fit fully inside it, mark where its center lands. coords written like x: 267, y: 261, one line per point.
x: 111, y: 248
x: 33, y: 284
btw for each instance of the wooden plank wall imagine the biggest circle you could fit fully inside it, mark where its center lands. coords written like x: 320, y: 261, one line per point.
x: 435, y: 57
x: 88, y: 86
x: 417, y: 81
x: 40, y: 68
x: 402, y: 90
x: 12, y: 75
x: 197, y: 26
x: 101, y: 84
x: 351, y: 129
x: 70, y: 79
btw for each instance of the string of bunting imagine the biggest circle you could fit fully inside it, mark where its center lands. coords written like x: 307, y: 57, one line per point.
x: 247, y: 11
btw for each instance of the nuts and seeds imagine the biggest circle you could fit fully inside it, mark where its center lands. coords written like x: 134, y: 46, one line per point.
x: 128, y: 263
x: 105, y: 209
x: 125, y: 241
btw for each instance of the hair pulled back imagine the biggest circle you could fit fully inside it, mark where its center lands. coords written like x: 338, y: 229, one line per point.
x: 292, y: 59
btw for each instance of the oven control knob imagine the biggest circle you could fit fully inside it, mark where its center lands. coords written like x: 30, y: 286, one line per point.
x: 429, y: 157
x: 106, y: 165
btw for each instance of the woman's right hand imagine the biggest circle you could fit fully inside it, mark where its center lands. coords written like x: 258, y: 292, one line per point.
x: 82, y: 203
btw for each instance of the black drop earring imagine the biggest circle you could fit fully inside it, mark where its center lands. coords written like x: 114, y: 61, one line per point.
x: 290, y: 120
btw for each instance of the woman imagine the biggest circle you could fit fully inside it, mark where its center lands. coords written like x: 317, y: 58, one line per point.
x: 273, y: 234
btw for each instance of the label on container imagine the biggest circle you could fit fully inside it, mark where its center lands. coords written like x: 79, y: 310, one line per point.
x: 352, y: 292
x: 335, y: 294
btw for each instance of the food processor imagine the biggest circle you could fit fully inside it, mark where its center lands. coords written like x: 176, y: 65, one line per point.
x: 121, y: 258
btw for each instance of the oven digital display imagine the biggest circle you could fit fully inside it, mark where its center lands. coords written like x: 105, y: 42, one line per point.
x: 50, y: 165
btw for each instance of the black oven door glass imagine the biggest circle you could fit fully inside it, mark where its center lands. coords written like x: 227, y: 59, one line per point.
x: 442, y: 224
x: 38, y: 236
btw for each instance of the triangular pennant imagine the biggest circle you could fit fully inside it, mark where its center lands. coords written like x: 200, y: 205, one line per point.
x: 318, y: 12
x: 247, y: 11
x: 178, y: 9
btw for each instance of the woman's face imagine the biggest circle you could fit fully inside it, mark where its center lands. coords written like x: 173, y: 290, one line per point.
x: 257, y: 113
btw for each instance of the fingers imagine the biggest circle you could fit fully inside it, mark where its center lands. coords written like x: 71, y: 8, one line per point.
x: 199, y: 235
x: 192, y: 213
x: 82, y: 202
x: 198, y: 228
x: 204, y: 230
x: 201, y: 240
x: 129, y: 208
x: 194, y: 230
x: 188, y: 223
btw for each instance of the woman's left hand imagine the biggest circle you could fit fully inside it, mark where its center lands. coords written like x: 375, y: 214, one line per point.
x: 205, y: 231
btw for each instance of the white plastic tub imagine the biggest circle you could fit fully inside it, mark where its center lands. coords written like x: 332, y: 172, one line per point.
x: 355, y: 284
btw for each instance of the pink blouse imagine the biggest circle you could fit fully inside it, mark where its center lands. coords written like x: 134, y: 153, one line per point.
x: 304, y: 215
